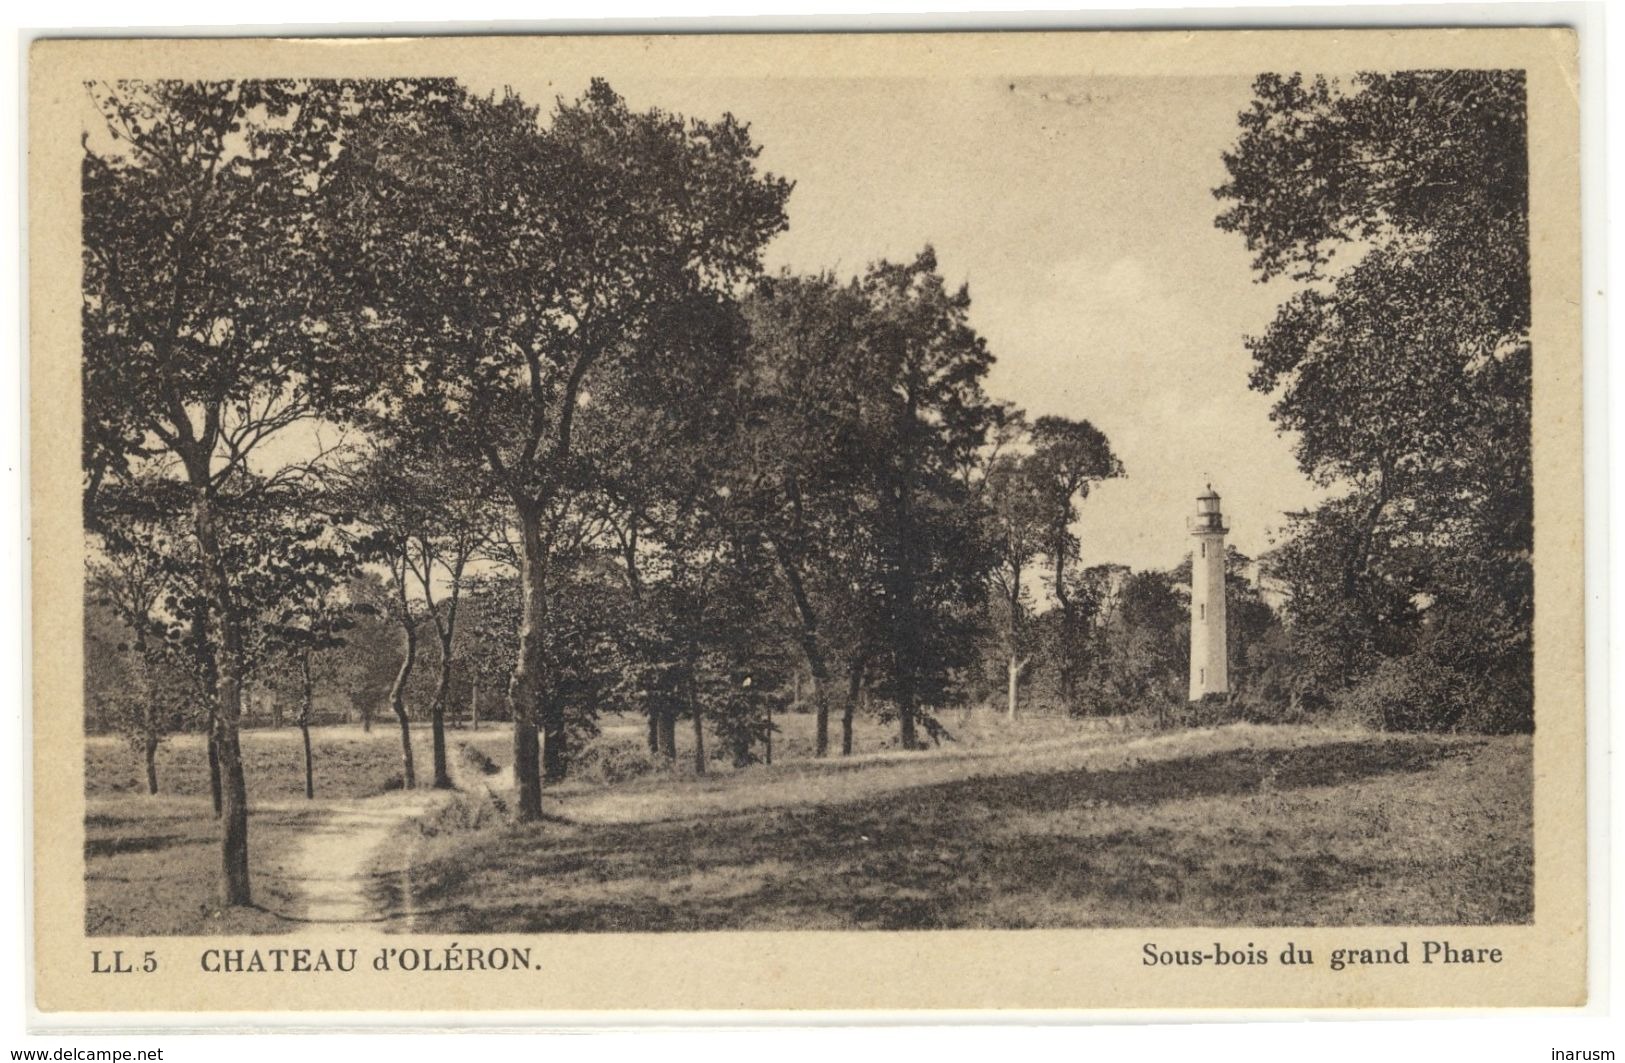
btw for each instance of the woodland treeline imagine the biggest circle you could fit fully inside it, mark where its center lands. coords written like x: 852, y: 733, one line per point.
x: 401, y: 399
x: 1396, y: 207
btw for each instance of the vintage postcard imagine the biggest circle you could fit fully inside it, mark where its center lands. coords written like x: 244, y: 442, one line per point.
x: 1049, y: 521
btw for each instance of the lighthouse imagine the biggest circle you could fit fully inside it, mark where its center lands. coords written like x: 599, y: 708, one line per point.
x: 1210, y: 672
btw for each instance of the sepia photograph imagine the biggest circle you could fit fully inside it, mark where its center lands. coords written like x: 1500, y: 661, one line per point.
x: 634, y: 498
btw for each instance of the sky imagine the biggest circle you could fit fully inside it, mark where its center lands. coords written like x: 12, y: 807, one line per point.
x: 1080, y: 212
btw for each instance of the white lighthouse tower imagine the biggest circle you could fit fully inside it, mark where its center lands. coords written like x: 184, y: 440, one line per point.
x: 1210, y: 672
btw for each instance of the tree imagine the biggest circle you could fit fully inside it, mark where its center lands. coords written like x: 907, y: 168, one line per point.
x: 132, y: 579
x: 529, y: 270
x: 203, y: 323
x: 674, y: 445
x: 1096, y: 593
x: 805, y: 482
x: 1147, y: 644
x: 924, y: 419
x: 314, y: 618
x: 389, y: 499
x: 680, y: 661
x: 460, y: 540
x: 588, y: 615
x: 364, y: 667
x: 1069, y: 458
x: 431, y: 516
x: 1404, y: 372
x: 491, y: 623
x: 1015, y: 500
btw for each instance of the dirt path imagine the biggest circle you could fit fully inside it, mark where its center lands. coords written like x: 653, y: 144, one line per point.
x: 331, y: 870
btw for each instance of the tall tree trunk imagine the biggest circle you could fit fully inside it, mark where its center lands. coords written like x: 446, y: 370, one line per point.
x: 305, y: 705
x: 906, y: 632
x: 1358, y: 562
x: 1013, y: 666
x: 1013, y: 677
x: 526, y: 683
x: 397, y: 694
x: 310, y: 763
x: 235, y: 889
x: 206, y: 659
x: 699, y: 729
x: 1066, y: 667
x: 150, y: 746
x: 668, y: 730
x: 555, y: 743
x: 444, y: 616
x: 854, y: 686
x: 905, y: 627
x: 216, y: 787
x: 149, y: 707
x: 811, y: 648
x: 910, y: 635
x: 409, y: 776
x: 661, y: 742
x: 906, y: 711
x: 820, y: 719
x: 437, y: 719
x: 474, y: 707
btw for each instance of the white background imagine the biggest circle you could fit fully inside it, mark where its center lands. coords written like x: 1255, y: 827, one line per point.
x: 1520, y: 1036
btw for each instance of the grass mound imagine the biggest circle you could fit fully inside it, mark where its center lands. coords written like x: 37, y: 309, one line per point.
x: 476, y: 760
x: 605, y: 763
x: 465, y: 812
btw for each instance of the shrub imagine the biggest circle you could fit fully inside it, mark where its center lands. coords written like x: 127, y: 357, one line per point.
x: 608, y: 762
x: 1263, y: 702
x: 1212, y: 711
x: 464, y: 812
x: 1412, y: 693
x: 1500, y: 709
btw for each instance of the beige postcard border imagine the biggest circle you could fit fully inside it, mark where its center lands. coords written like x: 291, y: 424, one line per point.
x: 1545, y: 963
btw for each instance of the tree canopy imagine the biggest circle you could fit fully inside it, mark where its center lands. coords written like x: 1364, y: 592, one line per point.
x: 1398, y: 205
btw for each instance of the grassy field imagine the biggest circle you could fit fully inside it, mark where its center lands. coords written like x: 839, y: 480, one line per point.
x: 1044, y: 823
x: 152, y: 864
x: 1231, y: 826
x: 348, y: 762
